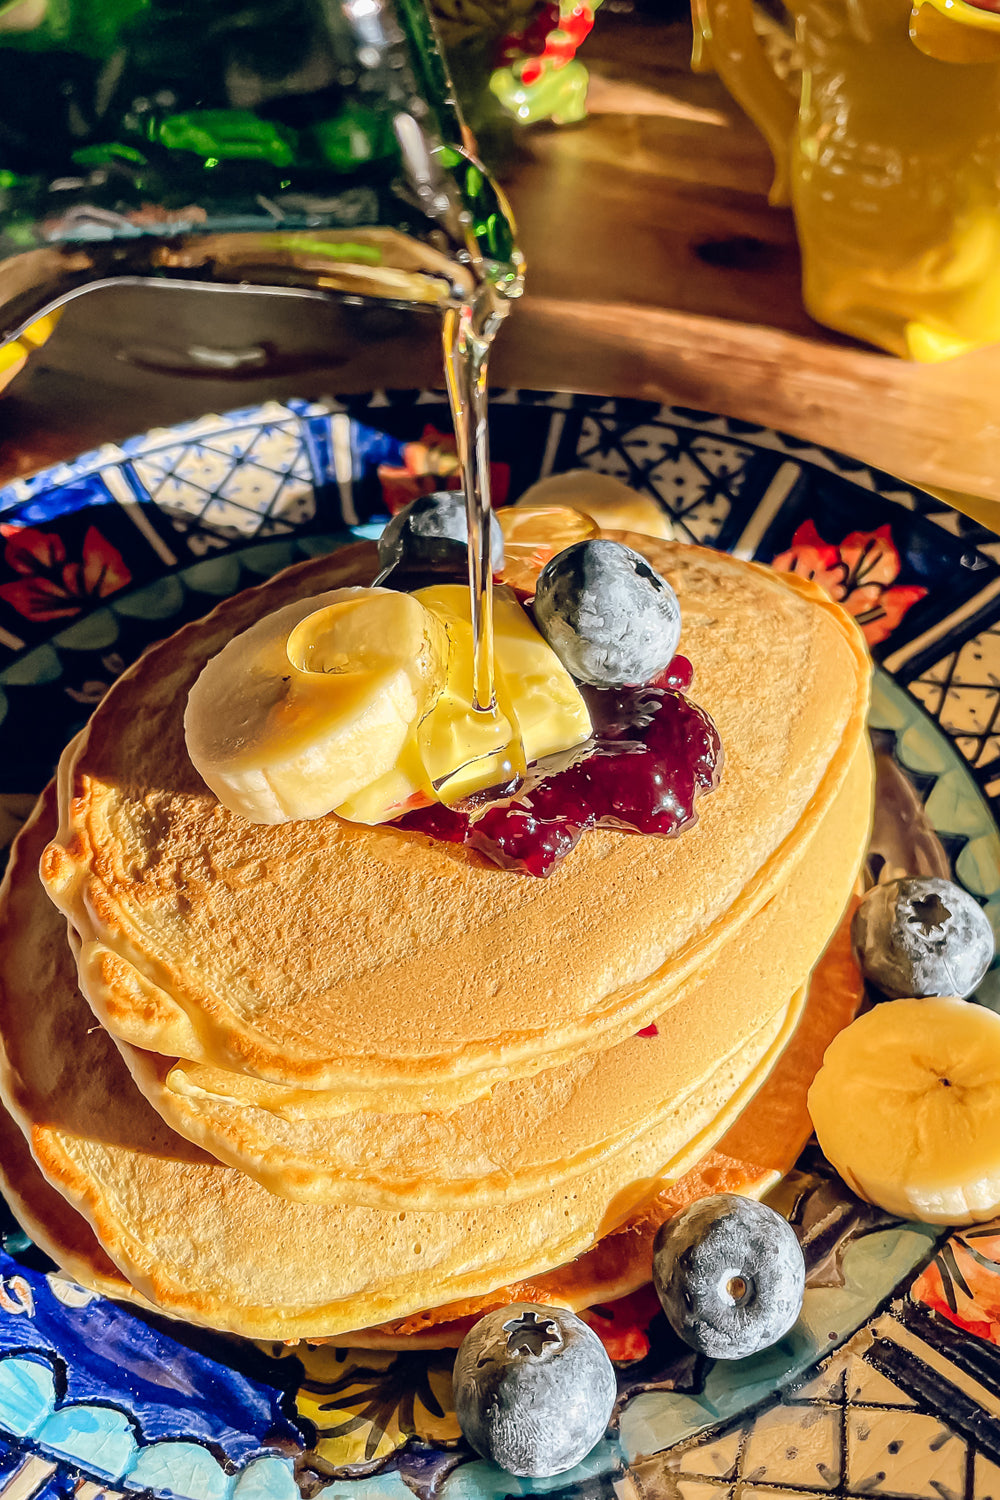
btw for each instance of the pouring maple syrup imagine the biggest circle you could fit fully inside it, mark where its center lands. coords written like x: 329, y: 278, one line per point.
x: 311, y: 147
x: 492, y: 740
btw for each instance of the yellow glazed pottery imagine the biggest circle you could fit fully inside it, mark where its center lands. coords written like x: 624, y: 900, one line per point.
x: 886, y: 140
x: 13, y: 356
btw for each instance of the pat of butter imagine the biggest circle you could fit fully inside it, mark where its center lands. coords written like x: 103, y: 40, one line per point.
x: 533, y: 688
x: 541, y: 704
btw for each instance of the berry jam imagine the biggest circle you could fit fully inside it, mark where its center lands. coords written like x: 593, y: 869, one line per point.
x: 653, y: 753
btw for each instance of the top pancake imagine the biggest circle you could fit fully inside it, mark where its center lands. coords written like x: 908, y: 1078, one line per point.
x: 327, y: 955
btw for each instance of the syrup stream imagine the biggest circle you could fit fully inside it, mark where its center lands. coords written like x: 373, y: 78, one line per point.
x: 468, y: 333
x: 466, y: 357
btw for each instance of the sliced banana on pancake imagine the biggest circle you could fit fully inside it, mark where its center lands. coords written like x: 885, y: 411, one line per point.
x: 314, y: 702
x: 359, y: 700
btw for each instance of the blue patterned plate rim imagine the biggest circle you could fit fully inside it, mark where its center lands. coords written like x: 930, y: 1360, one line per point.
x: 111, y: 551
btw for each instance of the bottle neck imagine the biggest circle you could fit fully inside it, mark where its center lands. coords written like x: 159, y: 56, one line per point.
x: 337, y: 167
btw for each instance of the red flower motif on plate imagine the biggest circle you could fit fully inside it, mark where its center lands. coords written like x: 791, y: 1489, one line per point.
x: 52, y: 584
x: 860, y: 573
x: 962, y: 1282
x: 432, y: 464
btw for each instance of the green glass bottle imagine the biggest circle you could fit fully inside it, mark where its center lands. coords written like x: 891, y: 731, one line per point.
x: 306, y: 144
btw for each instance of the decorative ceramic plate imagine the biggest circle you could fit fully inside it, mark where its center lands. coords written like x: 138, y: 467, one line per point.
x: 890, y: 1382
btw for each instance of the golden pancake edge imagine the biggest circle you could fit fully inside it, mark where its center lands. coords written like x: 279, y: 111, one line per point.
x: 555, y: 1124
x: 210, y: 939
x: 203, y: 1241
x: 120, y: 860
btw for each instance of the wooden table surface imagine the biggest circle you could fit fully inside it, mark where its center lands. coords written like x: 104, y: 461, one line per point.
x: 656, y: 268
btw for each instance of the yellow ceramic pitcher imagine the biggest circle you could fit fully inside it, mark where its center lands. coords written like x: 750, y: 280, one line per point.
x: 886, y: 141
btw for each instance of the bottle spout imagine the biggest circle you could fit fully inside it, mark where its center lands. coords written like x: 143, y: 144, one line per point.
x: 319, y: 149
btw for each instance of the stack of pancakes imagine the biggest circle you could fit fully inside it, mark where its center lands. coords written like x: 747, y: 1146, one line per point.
x: 303, y: 1080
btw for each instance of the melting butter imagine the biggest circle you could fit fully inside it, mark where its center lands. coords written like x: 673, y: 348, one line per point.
x: 456, y: 751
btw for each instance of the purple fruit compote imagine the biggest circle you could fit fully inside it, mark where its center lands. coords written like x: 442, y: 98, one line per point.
x: 652, y: 753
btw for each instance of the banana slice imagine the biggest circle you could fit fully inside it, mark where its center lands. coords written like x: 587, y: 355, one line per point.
x: 357, y: 701
x: 906, y: 1107
x: 533, y: 534
x: 607, y: 500
x: 314, y: 702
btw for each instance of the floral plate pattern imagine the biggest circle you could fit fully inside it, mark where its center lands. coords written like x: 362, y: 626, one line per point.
x: 890, y: 1382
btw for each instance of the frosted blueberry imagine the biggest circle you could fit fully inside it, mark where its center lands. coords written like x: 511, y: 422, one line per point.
x: 534, y: 1389
x: 431, y: 535
x: 922, y: 936
x: 730, y: 1275
x: 611, y: 620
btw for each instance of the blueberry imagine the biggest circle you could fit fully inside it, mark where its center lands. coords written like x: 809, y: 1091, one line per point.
x: 729, y: 1274
x: 922, y: 936
x: 431, y: 536
x: 611, y: 620
x: 534, y: 1389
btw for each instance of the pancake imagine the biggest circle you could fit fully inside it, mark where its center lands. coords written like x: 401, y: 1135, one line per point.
x: 759, y: 1149
x: 53, y: 1225
x: 204, y: 1242
x: 370, y: 965
x: 546, y: 1129
x: 327, y: 956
